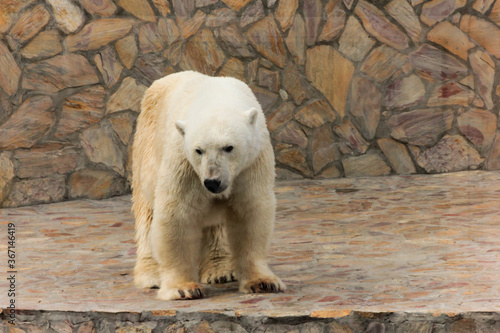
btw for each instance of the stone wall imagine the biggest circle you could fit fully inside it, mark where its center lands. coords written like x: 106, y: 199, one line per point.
x: 328, y: 321
x: 349, y: 87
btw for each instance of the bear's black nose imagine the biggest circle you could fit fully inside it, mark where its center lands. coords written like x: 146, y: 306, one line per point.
x: 213, y: 185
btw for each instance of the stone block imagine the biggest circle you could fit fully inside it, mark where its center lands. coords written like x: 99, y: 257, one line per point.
x: 335, y: 327
x: 493, y: 161
x: 139, y: 8
x: 227, y: 326
x: 269, y: 79
x: 420, y: 127
x: 295, y: 158
x: 365, y: 105
x: 168, y: 30
x: 202, y: 327
x: 437, y: 10
x: 267, y: 40
x: 101, y: 145
x: 368, y: 165
x: 282, y: 115
x: 95, y: 184
x: 5, y: 107
x: 285, y: 13
x: 483, y: 68
x: 352, y: 138
x: 174, y: 53
x: 150, y: 67
x: 495, y: 13
x: 331, y: 74
x: 432, y: 64
x: 285, y: 174
x: 451, y: 38
x: 9, y: 71
x: 163, y: 6
x: 404, y: 92
x: 45, y: 45
x: 295, y: 40
x: 86, y: 327
x: 150, y: 39
x: 479, y: 127
x: 463, y: 326
x: 30, y: 23
x: 382, y: 63
x: 236, y: 4
x: 47, y: 159
x: 204, y: 3
x: 331, y: 171
x: 109, y: 66
x: 355, y: 43
x: 127, y: 97
x: 28, y: 124
x: 202, y: 53
x: 451, y: 94
x: 253, y: 13
x: 379, y: 26
x: 484, y: 32
x: 397, y: 155
x: 482, y: 6
x: 81, y: 110
x: 99, y: 7
x: 190, y: 26
x: 6, y: 174
x: 415, y: 326
x: 127, y: 50
x: 296, y: 84
x: 404, y: 14
x: 316, y: 114
x: 265, y: 97
x: 9, y: 11
x: 98, y: 33
x: 292, y: 134
x: 335, y: 20
x: 59, y: 72
x: 68, y: 16
x: 233, y: 68
x: 324, y: 148
x: 220, y: 17
x: 36, y: 191
x: 123, y: 125
x: 235, y: 43
x: 451, y: 153
x: 312, y: 12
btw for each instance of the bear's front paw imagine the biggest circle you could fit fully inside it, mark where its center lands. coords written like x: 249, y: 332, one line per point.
x: 146, y: 274
x: 189, y: 290
x: 263, y: 285
x: 217, y: 271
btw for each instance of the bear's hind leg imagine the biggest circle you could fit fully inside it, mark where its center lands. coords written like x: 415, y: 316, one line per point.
x: 146, y: 268
x: 216, y: 264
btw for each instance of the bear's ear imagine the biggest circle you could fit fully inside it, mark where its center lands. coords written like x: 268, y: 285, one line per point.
x: 181, y: 126
x: 251, y: 115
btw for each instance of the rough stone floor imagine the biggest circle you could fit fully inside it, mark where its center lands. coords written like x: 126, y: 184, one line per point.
x: 421, y: 246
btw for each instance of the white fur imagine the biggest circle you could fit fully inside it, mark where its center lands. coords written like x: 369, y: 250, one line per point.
x: 181, y: 226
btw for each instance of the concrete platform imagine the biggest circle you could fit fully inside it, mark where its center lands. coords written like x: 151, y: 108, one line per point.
x: 416, y: 253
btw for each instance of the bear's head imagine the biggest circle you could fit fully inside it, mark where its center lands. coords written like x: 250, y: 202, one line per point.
x: 220, y: 146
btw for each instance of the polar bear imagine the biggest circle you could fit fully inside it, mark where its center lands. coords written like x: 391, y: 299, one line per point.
x: 203, y: 178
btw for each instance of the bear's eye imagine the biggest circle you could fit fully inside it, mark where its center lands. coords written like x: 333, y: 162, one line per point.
x: 228, y: 149
x: 198, y: 151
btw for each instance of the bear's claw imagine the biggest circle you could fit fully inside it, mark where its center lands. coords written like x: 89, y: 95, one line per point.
x: 264, y: 286
x: 217, y: 270
x: 191, y: 293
